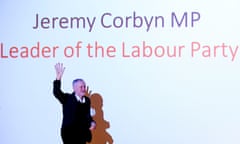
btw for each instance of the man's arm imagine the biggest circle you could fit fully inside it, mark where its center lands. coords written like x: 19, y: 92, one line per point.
x: 92, y: 122
x: 57, y: 83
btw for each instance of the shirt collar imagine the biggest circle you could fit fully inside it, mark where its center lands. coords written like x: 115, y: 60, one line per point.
x: 79, y: 99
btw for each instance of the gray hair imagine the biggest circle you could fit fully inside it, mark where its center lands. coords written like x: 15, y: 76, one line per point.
x: 77, y: 80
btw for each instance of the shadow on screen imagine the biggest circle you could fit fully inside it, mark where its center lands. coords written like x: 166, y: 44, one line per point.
x: 100, y: 135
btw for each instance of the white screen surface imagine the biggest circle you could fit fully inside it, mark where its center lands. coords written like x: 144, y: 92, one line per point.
x: 186, y: 99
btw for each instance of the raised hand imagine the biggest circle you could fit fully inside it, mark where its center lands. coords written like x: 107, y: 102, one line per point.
x: 59, y: 70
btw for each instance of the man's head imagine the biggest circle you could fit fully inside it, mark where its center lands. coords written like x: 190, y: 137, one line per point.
x: 79, y: 87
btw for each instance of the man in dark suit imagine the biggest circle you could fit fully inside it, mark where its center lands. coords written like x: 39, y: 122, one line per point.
x: 77, y: 122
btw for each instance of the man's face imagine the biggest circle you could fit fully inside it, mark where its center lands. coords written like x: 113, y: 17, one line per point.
x: 79, y: 88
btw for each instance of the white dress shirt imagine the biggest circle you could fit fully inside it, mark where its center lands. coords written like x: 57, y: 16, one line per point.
x: 81, y: 100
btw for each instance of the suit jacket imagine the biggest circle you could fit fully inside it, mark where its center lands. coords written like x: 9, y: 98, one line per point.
x: 76, y: 115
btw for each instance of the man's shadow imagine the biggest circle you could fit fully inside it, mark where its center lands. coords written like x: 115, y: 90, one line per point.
x: 99, y: 135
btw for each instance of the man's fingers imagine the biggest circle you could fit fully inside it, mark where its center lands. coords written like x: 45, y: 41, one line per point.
x: 59, y: 68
